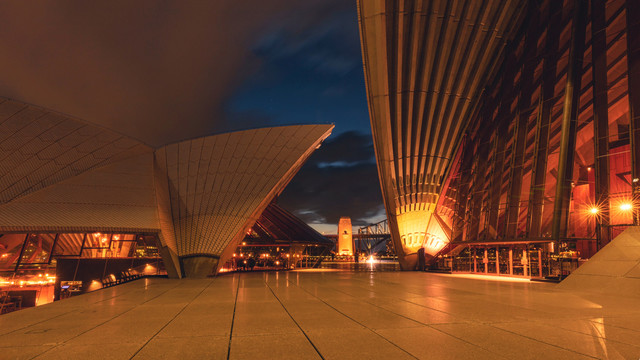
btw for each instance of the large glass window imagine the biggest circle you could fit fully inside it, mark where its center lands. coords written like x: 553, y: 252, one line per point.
x: 68, y: 245
x: 10, y: 247
x: 37, y: 249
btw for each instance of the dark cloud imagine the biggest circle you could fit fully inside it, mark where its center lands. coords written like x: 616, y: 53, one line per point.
x: 162, y: 71
x: 156, y: 70
x: 322, y: 194
x: 310, y: 70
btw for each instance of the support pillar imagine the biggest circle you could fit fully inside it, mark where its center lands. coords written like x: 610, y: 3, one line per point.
x: 496, y: 180
x: 539, y: 168
x: 600, y: 119
x: 633, y: 59
x: 457, y: 228
x: 503, y: 119
x: 478, y: 186
x: 521, y: 123
x: 569, y: 123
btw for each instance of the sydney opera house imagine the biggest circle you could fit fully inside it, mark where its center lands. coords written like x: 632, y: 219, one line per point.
x: 71, y: 188
x: 506, y: 132
x: 507, y: 140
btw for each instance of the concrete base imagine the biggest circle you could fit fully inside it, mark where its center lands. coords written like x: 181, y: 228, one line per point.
x: 615, y: 269
x: 408, y: 262
x: 171, y: 262
x: 198, y: 267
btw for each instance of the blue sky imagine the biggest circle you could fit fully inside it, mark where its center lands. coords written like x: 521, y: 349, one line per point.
x: 309, y: 70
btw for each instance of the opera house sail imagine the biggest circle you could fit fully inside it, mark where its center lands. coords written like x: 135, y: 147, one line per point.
x: 426, y: 63
x: 72, y: 188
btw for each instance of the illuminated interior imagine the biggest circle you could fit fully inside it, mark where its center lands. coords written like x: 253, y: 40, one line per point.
x: 32, y: 265
x: 412, y: 227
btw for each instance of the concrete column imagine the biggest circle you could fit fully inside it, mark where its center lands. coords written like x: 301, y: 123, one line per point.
x: 199, y: 266
x: 633, y: 63
x: 600, y: 118
x: 569, y: 123
x: 539, y: 169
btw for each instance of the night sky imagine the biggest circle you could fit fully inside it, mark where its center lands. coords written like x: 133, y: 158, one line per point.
x: 164, y: 71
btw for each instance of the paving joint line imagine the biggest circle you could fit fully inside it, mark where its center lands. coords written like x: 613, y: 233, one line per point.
x: 63, y: 314
x: 421, y: 323
x: 354, y: 320
x: 104, y: 322
x: 233, y: 317
x: 294, y: 321
x: 170, y: 321
x: 542, y: 342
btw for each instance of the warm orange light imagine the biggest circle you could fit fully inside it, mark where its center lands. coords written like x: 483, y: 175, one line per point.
x: 244, y: 243
x: 625, y: 206
x: 594, y: 210
x: 234, y: 254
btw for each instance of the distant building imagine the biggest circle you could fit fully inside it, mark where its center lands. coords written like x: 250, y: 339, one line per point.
x: 345, y: 237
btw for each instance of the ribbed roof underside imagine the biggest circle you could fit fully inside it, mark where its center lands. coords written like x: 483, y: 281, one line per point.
x: 426, y: 64
x: 115, y: 197
x: 39, y: 147
x: 277, y: 225
x: 220, y: 184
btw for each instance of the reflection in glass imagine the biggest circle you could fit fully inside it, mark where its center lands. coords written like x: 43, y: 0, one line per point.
x: 10, y: 246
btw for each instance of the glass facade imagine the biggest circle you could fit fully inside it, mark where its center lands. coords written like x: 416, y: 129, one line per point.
x: 44, y: 266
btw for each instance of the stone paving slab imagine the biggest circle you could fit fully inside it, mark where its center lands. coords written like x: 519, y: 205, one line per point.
x: 327, y: 315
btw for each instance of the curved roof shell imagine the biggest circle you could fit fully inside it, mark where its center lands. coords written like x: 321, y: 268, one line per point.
x: 60, y: 174
x: 426, y: 64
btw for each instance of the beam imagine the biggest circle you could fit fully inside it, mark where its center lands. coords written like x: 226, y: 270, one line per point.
x: 520, y: 128
x: 569, y: 123
x: 539, y: 168
x: 600, y: 117
x: 633, y: 63
x: 462, y: 193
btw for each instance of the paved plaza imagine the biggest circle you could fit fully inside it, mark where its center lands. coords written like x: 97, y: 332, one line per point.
x: 330, y: 315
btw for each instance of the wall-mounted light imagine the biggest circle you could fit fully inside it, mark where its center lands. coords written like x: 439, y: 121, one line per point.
x: 626, y: 206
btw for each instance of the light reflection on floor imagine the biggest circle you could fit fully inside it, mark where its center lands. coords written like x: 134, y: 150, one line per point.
x: 327, y: 314
x: 489, y: 277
